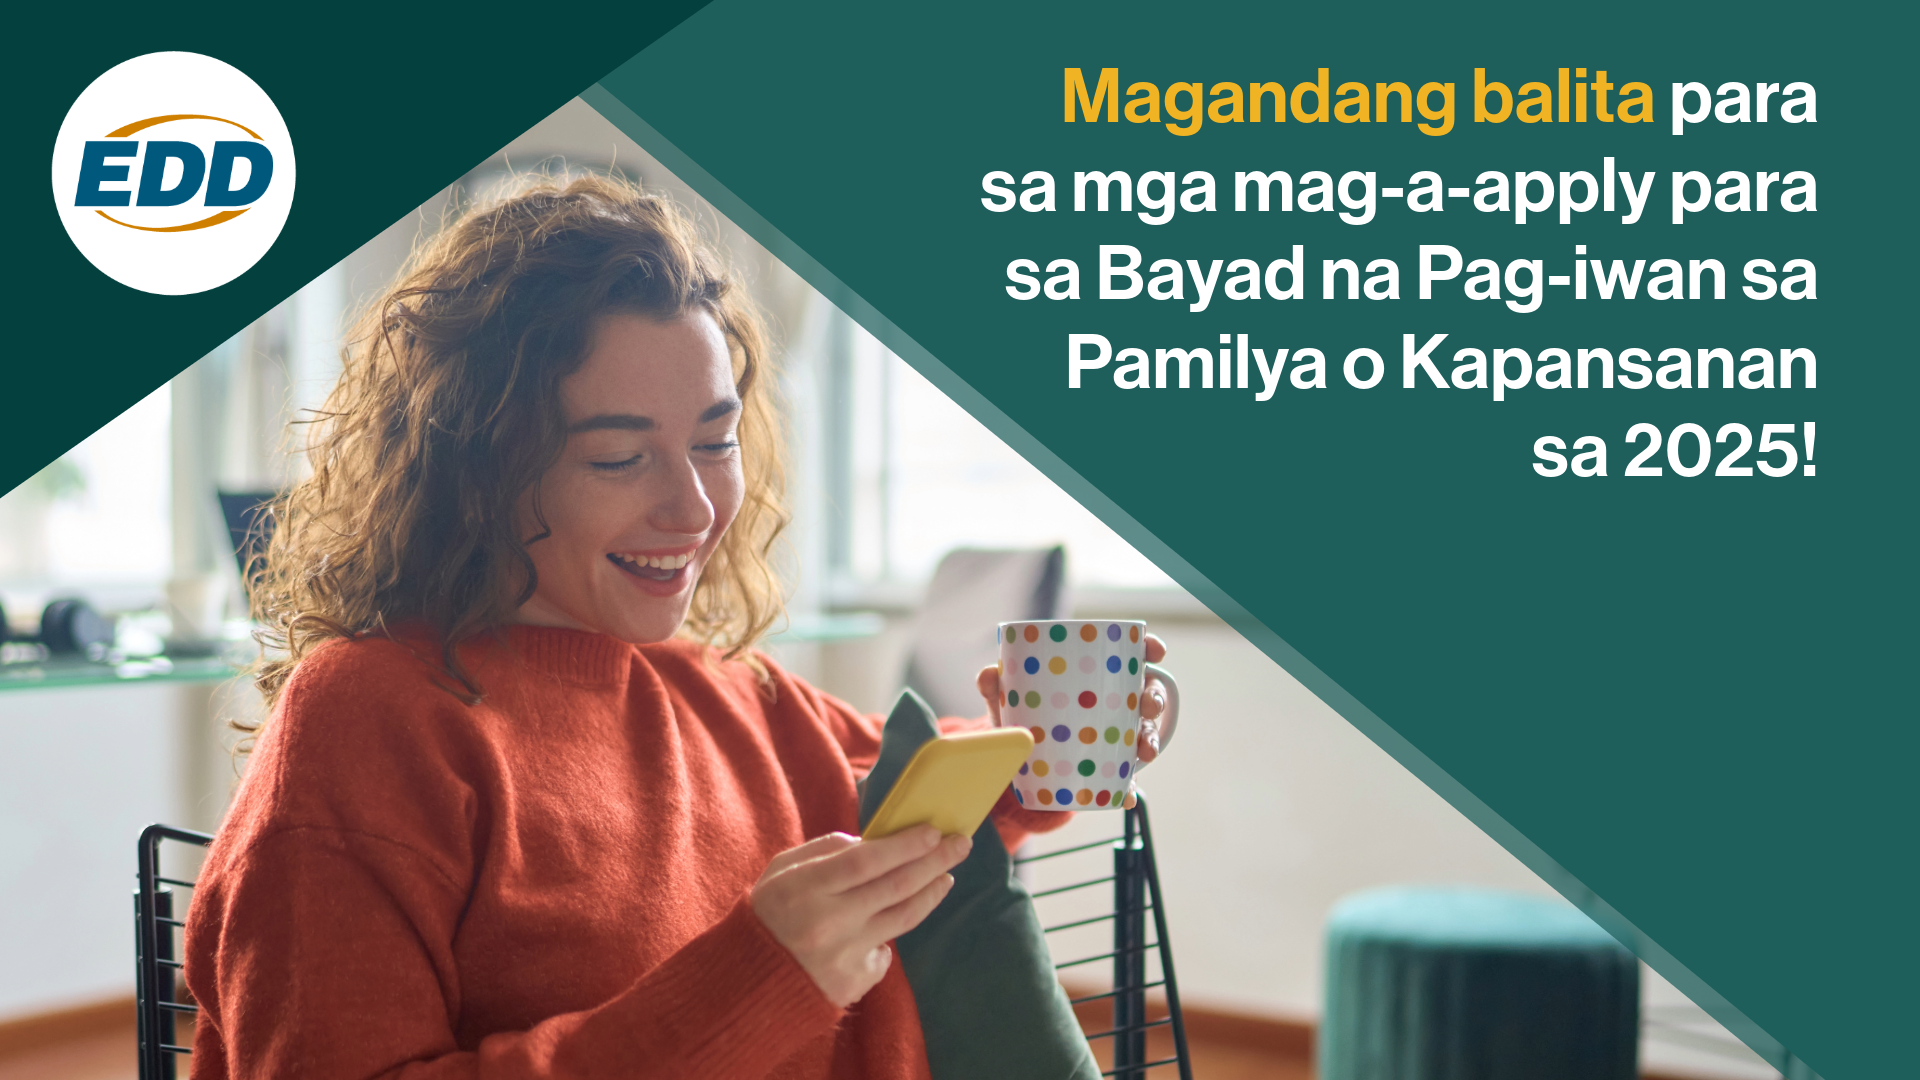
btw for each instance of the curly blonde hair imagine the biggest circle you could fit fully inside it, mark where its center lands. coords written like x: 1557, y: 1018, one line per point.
x: 448, y: 410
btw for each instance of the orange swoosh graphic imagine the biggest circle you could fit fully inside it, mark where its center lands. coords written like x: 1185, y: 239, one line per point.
x: 141, y: 125
x: 203, y: 223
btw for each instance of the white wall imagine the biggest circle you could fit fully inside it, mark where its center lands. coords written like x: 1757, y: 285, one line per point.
x: 82, y: 771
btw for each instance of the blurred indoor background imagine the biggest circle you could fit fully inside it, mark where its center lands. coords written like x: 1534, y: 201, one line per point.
x: 888, y: 477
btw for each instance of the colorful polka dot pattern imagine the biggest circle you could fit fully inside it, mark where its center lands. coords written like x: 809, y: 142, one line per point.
x: 1056, y: 673
x: 1068, y: 799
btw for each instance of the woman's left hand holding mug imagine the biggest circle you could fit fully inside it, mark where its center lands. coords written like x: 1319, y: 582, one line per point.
x: 1151, y: 709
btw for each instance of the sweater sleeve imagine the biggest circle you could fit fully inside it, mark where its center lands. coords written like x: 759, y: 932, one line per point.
x: 325, y: 953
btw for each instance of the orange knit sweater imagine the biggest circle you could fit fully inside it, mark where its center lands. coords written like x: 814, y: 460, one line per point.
x: 552, y: 883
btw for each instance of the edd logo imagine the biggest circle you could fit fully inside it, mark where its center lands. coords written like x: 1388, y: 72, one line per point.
x: 155, y: 167
x: 173, y: 173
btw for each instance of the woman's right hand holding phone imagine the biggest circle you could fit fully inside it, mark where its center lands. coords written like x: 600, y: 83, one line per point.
x: 835, y: 901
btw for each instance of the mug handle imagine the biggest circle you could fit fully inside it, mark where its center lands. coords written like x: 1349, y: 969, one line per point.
x: 1171, y: 718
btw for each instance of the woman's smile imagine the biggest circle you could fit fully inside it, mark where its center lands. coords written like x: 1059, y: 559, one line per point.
x: 659, y: 573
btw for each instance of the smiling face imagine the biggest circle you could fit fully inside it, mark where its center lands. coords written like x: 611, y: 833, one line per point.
x: 647, y: 485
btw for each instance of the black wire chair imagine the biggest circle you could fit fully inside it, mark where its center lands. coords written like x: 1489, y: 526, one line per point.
x: 157, y: 926
x: 1139, y: 964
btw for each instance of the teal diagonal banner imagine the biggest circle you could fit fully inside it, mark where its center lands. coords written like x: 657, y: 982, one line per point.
x: 386, y: 105
x: 1680, y: 698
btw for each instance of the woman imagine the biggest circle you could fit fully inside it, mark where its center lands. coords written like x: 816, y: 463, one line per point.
x: 528, y: 804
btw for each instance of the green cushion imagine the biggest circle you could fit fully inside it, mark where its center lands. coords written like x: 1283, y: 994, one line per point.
x: 990, y: 1003
x: 1469, y: 984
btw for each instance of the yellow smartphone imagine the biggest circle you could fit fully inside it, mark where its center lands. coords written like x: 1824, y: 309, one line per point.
x: 952, y: 782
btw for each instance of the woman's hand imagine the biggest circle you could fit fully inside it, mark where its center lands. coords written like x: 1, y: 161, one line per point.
x: 1150, y: 709
x: 835, y: 901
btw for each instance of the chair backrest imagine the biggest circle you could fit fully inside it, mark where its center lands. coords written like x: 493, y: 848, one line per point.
x: 249, y: 527
x: 1075, y: 916
x: 158, y: 922
x: 971, y: 590
x: 1139, y: 962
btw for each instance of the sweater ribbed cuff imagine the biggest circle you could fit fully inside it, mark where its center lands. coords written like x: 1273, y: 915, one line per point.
x: 734, y: 1000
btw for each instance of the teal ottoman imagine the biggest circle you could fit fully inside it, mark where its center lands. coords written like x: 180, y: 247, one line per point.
x: 1436, y: 983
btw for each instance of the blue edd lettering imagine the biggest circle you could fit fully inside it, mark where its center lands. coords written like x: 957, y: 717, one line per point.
x: 95, y: 171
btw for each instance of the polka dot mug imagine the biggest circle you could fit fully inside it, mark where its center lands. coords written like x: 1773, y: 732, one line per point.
x: 1077, y: 686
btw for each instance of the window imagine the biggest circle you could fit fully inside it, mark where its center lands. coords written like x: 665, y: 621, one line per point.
x: 98, y: 516
x: 918, y: 476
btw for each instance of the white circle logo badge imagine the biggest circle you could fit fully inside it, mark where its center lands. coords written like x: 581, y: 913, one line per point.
x: 173, y: 173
